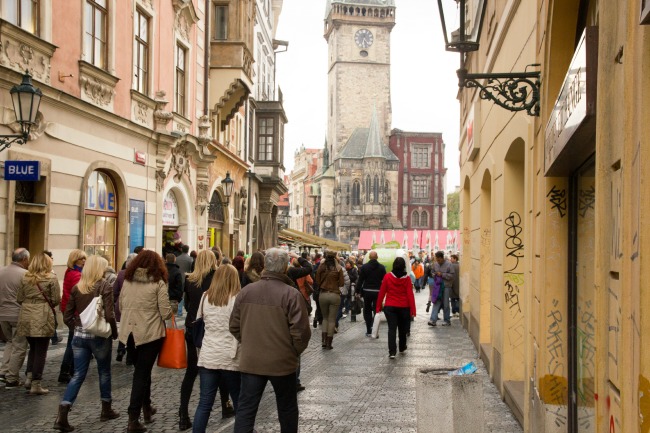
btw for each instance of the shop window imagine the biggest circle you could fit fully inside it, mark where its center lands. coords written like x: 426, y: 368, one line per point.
x: 100, y: 219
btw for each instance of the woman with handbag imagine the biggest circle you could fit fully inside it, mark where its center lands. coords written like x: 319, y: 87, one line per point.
x: 38, y: 294
x: 329, y: 278
x: 219, y: 355
x: 145, y: 306
x: 75, y: 265
x: 196, y: 284
x: 94, y: 340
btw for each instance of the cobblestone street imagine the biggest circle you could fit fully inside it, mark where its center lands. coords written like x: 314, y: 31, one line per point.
x: 353, y: 388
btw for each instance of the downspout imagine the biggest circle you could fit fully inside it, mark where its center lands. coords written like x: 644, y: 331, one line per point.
x: 206, y: 60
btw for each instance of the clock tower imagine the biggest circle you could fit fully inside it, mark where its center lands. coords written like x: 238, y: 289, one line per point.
x: 358, y: 37
x: 358, y: 187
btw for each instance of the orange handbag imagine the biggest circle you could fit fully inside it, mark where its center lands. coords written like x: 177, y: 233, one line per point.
x: 172, y: 354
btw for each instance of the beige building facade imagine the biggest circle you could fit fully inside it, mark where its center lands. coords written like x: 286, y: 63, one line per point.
x: 552, y: 211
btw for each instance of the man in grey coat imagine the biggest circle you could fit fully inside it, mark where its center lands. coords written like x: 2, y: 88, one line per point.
x: 444, y: 269
x: 16, y: 347
x: 184, y: 262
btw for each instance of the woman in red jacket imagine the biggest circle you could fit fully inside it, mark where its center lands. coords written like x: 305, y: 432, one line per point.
x: 76, y: 262
x: 399, y: 305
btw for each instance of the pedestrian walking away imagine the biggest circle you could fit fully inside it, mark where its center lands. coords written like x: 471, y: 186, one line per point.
x: 144, y: 305
x: 219, y: 356
x: 16, y: 346
x: 330, y: 279
x: 85, y: 344
x: 441, y: 269
x: 269, y: 317
x: 371, y: 276
x: 75, y: 264
x: 399, y: 306
x: 39, y: 293
x: 117, y: 289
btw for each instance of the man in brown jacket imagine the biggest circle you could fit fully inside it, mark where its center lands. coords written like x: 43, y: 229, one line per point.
x: 270, y: 321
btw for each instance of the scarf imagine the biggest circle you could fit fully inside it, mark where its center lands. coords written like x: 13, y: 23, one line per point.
x: 266, y: 275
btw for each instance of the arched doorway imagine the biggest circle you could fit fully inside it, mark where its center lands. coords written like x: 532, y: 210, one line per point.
x: 178, y: 229
x: 216, y: 220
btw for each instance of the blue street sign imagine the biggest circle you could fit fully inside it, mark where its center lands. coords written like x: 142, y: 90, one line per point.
x: 23, y: 170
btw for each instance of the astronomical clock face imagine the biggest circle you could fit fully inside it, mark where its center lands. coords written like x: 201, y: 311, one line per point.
x: 363, y: 38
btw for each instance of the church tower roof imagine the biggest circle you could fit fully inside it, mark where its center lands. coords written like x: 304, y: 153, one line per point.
x: 367, y: 143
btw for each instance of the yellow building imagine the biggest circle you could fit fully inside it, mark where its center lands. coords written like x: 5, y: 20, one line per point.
x: 552, y: 209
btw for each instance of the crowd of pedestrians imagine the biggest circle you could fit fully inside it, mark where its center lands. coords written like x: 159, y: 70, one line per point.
x: 235, y: 309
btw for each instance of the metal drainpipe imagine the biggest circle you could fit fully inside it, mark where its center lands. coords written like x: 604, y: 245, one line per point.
x: 206, y: 60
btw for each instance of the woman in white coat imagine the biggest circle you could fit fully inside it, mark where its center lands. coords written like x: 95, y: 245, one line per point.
x: 219, y: 354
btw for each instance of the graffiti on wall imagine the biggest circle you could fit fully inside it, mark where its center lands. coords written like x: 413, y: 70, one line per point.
x: 586, y: 200
x: 514, y: 245
x: 558, y: 199
x: 554, y: 386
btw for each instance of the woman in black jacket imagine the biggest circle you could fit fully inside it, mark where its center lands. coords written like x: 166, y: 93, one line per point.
x: 196, y: 283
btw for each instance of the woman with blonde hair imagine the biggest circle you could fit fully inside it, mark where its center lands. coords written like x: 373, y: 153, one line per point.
x: 86, y: 345
x: 76, y: 261
x: 219, y: 356
x: 144, y: 305
x: 196, y: 283
x: 38, y: 294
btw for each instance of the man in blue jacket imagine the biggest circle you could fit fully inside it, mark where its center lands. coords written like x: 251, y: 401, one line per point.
x: 371, y: 275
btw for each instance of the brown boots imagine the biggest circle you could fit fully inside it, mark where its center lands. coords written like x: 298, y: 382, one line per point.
x: 328, y: 343
x: 37, y: 389
x: 147, y: 412
x: 134, y: 424
x: 324, y: 339
x: 61, y: 423
x: 108, y: 412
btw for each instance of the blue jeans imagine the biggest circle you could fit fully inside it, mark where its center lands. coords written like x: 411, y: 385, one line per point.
x: 211, y: 380
x: 339, y: 314
x: 180, y: 308
x: 83, y: 349
x: 444, y: 304
x: 286, y: 398
x: 67, y: 364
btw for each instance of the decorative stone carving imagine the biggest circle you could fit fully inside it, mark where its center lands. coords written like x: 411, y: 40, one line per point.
x: 202, y: 192
x: 160, y: 116
x: 141, y: 112
x: 266, y: 207
x: 242, y: 192
x: 22, y: 51
x: 98, y: 86
x: 160, y: 179
x: 9, y: 120
x: 186, y: 17
x: 205, y: 136
x: 180, y: 161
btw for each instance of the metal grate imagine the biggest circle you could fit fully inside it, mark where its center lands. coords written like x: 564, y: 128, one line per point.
x: 25, y: 192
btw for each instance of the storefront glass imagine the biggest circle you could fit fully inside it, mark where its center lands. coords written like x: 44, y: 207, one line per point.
x: 100, y: 220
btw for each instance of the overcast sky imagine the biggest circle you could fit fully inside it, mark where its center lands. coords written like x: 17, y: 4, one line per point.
x: 423, y: 77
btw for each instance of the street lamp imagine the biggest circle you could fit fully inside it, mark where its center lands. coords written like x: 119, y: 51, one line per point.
x: 26, y: 99
x: 227, y: 183
x: 517, y: 91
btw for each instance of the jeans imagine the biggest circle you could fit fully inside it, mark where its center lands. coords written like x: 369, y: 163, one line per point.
x: 67, y: 364
x: 14, y: 353
x: 399, y: 321
x: 211, y: 381
x: 369, y: 308
x: 180, y: 308
x: 190, y: 372
x: 444, y: 303
x: 144, y: 357
x: 286, y: 398
x: 36, y: 357
x: 329, y: 304
x: 83, y: 349
x: 455, y: 305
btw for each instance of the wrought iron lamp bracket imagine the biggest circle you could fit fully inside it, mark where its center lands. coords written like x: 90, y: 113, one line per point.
x: 516, y: 91
x: 7, y: 140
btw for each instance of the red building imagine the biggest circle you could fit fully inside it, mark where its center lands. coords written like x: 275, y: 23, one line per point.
x: 422, y: 197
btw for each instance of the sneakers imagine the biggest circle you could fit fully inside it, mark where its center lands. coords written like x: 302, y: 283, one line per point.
x: 344, y: 316
x: 446, y: 323
x: 391, y: 356
x: 368, y: 335
x: 3, y: 378
x: 430, y: 323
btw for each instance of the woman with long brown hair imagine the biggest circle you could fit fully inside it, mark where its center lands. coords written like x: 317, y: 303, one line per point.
x: 38, y: 294
x: 253, y: 269
x: 145, y: 306
x: 329, y: 277
x: 196, y: 283
x: 219, y: 356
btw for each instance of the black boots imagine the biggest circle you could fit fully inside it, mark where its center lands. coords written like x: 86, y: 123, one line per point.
x: 61, y: 423
x: 184, y: 423
x: 134, y: 425
x: 227, y: 411
x: 108, y: 412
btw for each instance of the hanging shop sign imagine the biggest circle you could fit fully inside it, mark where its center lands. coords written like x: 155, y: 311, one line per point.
x: 23, y: 170
x: 571, y: 128
x: 170, y: 210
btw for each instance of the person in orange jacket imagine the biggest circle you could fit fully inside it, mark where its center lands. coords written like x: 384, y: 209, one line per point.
x: 418, y: 271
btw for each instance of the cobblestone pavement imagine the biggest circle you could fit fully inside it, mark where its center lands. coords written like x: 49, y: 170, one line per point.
x: 353, y: 388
